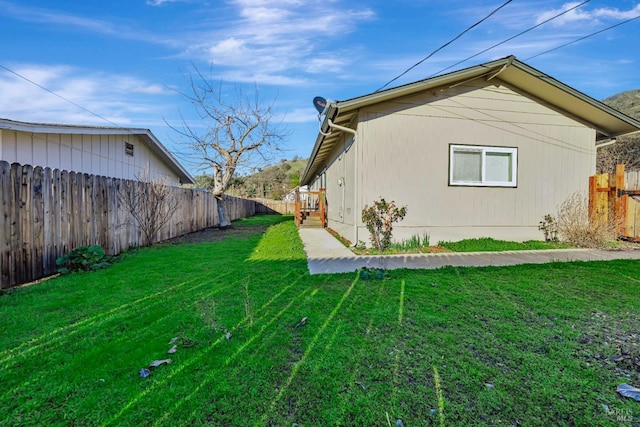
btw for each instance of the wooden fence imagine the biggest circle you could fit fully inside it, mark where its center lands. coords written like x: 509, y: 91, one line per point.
x: 268, y: 206
x: 615, y: 199
x: 45, y: 213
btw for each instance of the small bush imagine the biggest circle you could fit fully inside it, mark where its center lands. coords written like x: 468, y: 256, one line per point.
x: 549, y: 226
x: 379, y: 219
x: 369, y: 273
x: 83, y: 258
x: 574, y: 227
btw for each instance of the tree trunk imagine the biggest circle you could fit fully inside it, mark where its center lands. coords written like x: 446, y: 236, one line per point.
x: 222, y: 213
x: 219, y: 186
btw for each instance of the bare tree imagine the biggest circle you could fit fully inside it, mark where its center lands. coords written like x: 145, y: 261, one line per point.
x: 238, y: 131
x: 151, y: 202
x: 626, y: 151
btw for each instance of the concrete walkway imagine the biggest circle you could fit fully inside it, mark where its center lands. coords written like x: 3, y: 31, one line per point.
x: 325, y: 254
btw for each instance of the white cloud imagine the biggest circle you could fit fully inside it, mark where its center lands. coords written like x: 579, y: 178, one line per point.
x: 120, y: 99
x: 41, y: 15
x: 582, y: 15
x: 617, y: 14
x: 260, y: 78
x: 67, y: 20
x: 324, y: 65
x: 301, y: 115
x: 258, y: 15
x: 271, y: 41
x: 227, y: 48
x: 161, y: 2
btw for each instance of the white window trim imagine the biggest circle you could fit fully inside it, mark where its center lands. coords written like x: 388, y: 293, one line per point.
x: 484, y: 150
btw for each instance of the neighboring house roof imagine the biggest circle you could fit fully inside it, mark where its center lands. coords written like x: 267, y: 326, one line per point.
x: 608, y: 122
x: 291, y: 195
x: 144, y: 134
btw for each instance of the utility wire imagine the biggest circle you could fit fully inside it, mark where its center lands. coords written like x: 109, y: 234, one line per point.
x: 59, y: 96
x: 511, y: 38
x: 585, y: 37
x: 444, y: 45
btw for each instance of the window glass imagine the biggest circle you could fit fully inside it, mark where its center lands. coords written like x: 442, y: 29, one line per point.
x: 498, y: 167
x: 467, y: 166
x: 482, y: 166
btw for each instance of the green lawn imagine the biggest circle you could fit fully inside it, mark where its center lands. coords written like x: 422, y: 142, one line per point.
x: 487, y: 244
x: 417, y: 245
x: 524, y: 345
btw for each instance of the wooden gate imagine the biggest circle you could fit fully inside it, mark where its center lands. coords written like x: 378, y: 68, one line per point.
x: 615, y: 198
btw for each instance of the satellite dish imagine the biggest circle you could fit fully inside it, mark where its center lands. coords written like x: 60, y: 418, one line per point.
x: 320, y: 103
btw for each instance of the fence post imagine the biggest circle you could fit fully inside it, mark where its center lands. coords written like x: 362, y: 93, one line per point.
x: 593, y: 193
x: 297, y: 206
x: 621, y: 202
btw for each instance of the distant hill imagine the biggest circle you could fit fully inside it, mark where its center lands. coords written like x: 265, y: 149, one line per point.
x: 627, y: 148
x: 270, y: 182
x: 627, y: 102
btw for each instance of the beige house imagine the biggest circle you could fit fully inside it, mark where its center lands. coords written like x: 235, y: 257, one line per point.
x: 114, y: 152
x: 486, y: 151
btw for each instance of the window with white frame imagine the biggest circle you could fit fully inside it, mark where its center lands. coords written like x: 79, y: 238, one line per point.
x: 473, y: 165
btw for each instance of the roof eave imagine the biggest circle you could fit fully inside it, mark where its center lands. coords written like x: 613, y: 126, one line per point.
x: 332, y: 112
x: 339, y: 107
x: 607, y: 121
x: 410, y: 88
x: 626, y: 123
x: 159, y: 148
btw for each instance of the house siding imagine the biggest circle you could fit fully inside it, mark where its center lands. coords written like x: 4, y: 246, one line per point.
x: 101, y: 155
x: 341, y: 203
x: 403, y: 155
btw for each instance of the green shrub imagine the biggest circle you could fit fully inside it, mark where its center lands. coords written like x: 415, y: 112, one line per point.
x: 379, y: 220
x: 416, y: 241
x: 83, y: 258
x: 370, y: 273
x: 549, y: 226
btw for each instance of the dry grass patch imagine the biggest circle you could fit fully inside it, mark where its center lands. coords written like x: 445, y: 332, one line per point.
x: 575, y: 228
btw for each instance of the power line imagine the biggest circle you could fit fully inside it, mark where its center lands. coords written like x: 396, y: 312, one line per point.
x: 444, y: 45
x: 585, y: 37
x: 58, y: 95
x: 511, y: 38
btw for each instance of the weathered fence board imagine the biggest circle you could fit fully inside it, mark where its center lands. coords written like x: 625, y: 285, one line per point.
x: 5, y: 217
x: 45, y: 213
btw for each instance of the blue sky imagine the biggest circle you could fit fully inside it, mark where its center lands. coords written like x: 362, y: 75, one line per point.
x: 124, y: 59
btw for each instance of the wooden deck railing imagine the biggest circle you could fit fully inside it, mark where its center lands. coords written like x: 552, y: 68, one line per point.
x: 311, y: 204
